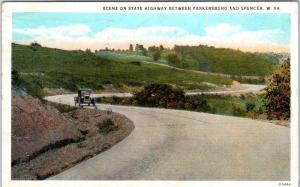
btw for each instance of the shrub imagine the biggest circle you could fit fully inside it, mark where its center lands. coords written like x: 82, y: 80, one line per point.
x: 160, y: 95
x: 116, y: 99
x: 62, y: 107
x: 250, y: 106
x: 277, y: 97
x: 197, y: 102
x: 236, y: 111
x: 15, y: 77
x: 31, y: 85
x: 156, y: 55
x: 34, y: 45
x: 137, y: 63
x: 173, y: 59
x: 250, y: 115
x: 106, y: 127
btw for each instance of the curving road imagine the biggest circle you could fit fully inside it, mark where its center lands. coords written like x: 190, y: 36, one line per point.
x: 202, y: 72
x: 182, y: 145
x: 242, y: 89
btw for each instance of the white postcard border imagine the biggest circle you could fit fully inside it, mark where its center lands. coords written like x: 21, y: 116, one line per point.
x: 10, y: 7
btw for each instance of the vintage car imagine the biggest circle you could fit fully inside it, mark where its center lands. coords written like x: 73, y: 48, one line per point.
x: 84, y: 97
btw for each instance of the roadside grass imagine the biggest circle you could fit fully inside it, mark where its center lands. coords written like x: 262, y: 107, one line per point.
x: 55, y: 68
x: 247, y: 105
x: 62, y: 107
x: 106, y: 127
x: 236, y: 105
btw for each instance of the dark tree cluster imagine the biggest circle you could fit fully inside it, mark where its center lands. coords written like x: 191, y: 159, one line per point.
x: 278, y: 93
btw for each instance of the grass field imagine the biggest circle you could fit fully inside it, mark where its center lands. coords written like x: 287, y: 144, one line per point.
x: 245, y: 106
x: 55, y: 68
x: 205, y: 58
x: 124, y: 56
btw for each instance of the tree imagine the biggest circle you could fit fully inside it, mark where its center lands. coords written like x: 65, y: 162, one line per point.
x: 160, y: 95
x: 88, y: 50
x: 130, y: 47
x: 173, y: 59
x: 35, y: 44
x: 156, y: 55
x: 140, y: 49
x: 144, y: 51
x: 278, y: 93
x: 161, y: 47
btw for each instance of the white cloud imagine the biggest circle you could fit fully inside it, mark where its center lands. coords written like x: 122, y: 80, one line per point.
x: 221, y: 35
x: 56, y: 33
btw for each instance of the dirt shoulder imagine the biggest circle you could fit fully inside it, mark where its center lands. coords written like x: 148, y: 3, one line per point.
x: 46, y: 142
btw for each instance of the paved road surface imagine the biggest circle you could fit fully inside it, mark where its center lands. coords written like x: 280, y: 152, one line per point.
x: 182, y: 145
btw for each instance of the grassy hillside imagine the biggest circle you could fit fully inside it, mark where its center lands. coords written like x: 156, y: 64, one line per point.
x: 206, y: 58
x: 223, y: 60
x: 55, y: 68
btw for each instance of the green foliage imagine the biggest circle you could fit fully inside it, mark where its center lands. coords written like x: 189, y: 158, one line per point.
x: 161, y: 47
x: 106, y: 127
x: 31, y: 85
x: 137, y: 63
x: 88, y: 51
x: 35, y: 44
x: 130, y: 47
x: 139, y: 49
x: 250, y: 106
x: 54, y: 68
x: 197, y: 103
x: 15, y: 77
x: 156, y: 55
x: 160, y: 95
x: 278, y: 93
x: 223, y: 60
x: 173, y: 59
x: 62, y: 107
x: 237, y: 111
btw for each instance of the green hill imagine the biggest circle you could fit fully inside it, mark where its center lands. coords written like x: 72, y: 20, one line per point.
x: 224, y: 60
x: 206, y: 58
x: 54, y: 68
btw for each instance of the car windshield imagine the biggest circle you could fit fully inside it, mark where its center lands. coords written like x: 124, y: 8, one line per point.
x: 84, y: 92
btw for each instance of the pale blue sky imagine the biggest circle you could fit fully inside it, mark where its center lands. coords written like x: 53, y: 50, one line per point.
x: 194, y: 24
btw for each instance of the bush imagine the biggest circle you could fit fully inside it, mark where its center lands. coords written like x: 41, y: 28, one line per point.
x: 62, y: 107
x: 34, y: 45
x: 250, y: 106
x: 236, y: 111
x: 15, y: 77
x: 137, y: 63
x: 156, y: 55
x: 252, y: 115
x: 173, y: 59
x: 277, y: 98
x: 160, y: 95
x: 31, y: 85
x: 197, y: 103
x: 106, y: 127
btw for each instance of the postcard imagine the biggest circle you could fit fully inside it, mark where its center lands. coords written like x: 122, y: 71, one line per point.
x: 150, y: 94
